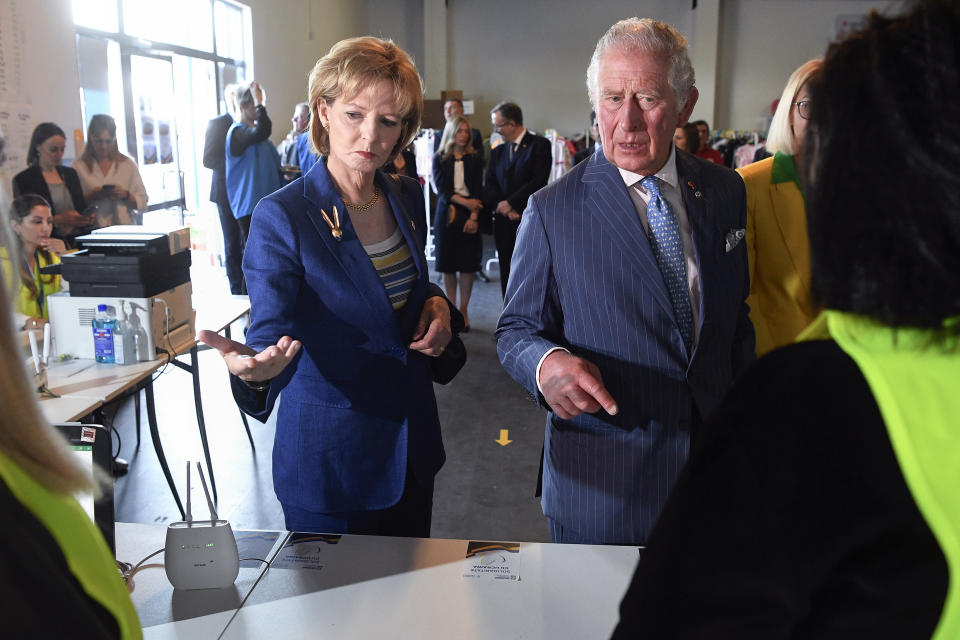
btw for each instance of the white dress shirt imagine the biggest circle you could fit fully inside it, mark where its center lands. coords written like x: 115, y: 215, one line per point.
x: 123, y: 174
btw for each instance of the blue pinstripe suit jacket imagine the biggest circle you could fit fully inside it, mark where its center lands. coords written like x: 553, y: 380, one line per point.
x: 584, y: 278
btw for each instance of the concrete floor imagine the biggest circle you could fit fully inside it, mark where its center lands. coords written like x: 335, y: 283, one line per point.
x: 485, y: 490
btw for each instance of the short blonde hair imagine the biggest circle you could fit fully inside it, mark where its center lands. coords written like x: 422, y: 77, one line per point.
x: 447, y: 139
x: 353, y: 65
x: 780, y: 136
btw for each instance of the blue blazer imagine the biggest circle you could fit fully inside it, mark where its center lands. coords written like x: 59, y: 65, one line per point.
x: 584, y: 278
x: 357, y: 405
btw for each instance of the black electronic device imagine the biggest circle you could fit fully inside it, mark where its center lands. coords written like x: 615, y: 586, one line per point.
x: 92, y: 443
x: 91, y: 273
x: 125, y: 243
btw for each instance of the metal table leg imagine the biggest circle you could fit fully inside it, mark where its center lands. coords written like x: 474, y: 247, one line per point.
x: 243, y: 416
x: 155, y: 435
x: 195, y: 372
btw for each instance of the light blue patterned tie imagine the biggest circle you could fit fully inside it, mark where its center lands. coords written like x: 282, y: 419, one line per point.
x: 668, y: 250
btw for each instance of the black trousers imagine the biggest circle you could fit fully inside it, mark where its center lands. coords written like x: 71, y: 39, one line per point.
x: 410, y: 517
x: 505, y: 237
x: 233, y: 242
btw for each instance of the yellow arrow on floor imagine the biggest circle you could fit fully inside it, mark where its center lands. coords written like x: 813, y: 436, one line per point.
x: 504, y: 438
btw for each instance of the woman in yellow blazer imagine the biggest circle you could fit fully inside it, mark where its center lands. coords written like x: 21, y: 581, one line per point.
x: 777, y: 245
x: 31, y: 221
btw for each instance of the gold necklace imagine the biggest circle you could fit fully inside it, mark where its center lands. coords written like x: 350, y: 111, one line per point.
x: 364, y: 207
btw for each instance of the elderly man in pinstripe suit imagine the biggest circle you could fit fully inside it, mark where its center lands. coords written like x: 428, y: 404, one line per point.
x: 625, y: 312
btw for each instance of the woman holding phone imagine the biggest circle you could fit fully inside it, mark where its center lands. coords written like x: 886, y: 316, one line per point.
x: 109, y: 179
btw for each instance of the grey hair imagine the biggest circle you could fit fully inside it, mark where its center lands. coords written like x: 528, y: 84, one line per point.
x: 646, y: 36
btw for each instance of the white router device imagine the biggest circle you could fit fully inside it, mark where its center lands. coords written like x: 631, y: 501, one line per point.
x: 201, y: 554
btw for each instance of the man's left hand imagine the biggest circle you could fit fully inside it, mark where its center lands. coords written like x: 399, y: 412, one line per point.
x: 433, y: 332
x: 504, y: 208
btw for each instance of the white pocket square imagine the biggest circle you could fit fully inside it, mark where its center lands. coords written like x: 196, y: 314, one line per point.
x: 733, y: 238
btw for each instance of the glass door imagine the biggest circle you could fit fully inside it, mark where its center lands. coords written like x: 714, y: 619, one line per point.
x: 151, y: 115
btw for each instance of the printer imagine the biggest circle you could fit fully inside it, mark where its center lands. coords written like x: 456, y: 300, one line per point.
x: 140, y: 273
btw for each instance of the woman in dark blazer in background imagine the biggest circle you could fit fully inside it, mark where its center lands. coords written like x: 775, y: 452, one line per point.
x: 458, y: 174
x: 58, y: 185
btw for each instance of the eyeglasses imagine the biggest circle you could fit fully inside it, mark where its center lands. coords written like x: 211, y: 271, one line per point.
x: 497, y: 127
x: 803, y: 108
x: 104, y: 140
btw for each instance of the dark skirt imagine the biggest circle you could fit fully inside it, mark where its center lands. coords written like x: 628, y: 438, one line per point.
x: 455, y: 250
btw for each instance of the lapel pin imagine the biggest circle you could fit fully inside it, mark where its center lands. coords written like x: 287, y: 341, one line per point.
x: 696, y: 194
x: 335, y: 229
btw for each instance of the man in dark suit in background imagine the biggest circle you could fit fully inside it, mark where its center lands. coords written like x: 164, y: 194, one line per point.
x: 518, y: 167
x: 626, y: 314
x: 214, y: 158
x: 453, y: 108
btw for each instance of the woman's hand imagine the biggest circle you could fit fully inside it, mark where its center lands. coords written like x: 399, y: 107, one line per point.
x: 472, y: 225
x: 54, y: 245
x: 257, y: 93
x: 34, y: 323
x: 247, y: 364
x: 433, y: 332
x: 474, y: 204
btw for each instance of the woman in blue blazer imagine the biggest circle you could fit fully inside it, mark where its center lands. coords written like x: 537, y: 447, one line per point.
x: 344, y: 320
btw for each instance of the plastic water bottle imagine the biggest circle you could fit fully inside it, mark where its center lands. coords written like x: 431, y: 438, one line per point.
x: 104, y: 324
x: 124, y: 349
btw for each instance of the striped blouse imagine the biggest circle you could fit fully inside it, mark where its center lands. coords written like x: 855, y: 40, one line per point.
x: 394, y: 264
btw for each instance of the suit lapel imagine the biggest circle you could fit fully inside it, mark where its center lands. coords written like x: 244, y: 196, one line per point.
x: 787, y: 201
x: 707, y: 238
x: 609, y: 203
x: 319, y: 191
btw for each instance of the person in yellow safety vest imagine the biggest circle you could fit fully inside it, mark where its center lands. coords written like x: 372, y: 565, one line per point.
x: 58, y: 577
x: 820, y: 500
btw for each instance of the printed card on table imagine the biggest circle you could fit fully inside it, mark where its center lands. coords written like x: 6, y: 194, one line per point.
x: 492, y: 561
x: 304, y: 551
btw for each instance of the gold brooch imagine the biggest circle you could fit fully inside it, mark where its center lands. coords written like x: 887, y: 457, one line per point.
x: 335, y: 229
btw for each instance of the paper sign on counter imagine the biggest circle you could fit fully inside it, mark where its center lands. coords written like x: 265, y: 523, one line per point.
x: 492, y: 561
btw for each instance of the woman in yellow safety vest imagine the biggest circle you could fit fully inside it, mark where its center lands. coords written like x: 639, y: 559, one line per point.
x: 820, y: 500
x: 58, y: 577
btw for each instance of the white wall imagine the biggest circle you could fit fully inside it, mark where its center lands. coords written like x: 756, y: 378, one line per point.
x: 402, y: 22
x: 289, y: 36
x: 537, y: 53
x: 762, y: 42
x: 49, y: 75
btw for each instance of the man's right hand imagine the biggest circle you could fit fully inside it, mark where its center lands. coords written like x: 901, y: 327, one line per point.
x: 572, y: 386
x: 247, y: 364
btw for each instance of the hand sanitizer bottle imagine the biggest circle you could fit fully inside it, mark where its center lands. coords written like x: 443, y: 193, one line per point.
x: 103, y: 327
x: 124, y: 350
